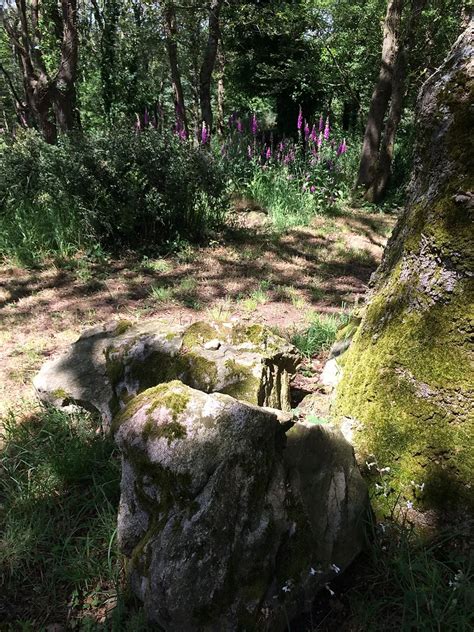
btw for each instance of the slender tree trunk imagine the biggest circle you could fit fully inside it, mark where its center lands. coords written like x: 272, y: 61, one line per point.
x: 220, y: 91
x: 378, y: 186
x: 20, y: 106
x: 208, y: 63
x: 171, y: 33
x: 67, y: 115
x: 44, y: 92
x: 381, y: 94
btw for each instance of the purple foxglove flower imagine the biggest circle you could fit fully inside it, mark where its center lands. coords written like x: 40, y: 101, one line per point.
x: 254, y: 125
x: 239, y: 127
x: 306, y: 130
x: 320, y: 139
x: 326, y: 129
x: 313, y: 136
x: 342, y: 148
x: 249, y: 151
x: 299, y: 122
x: 204, y: 134
x: 281, y: 146
x: 321, y: 123
x: 268, y: 153
x: 145, y: 118
x: 312, y: 188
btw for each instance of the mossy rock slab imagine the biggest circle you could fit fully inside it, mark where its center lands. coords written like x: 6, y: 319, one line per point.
x: 109, y: 365
x: 228, y: 521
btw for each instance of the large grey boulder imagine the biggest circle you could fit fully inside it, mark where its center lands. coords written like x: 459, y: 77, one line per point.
x: 108, y: 365
x: 229, y: 523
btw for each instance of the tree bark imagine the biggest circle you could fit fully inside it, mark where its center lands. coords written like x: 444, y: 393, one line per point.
x: 171, y: 33
x: 407, y: 384
x: 381, y: 94
x: 64, y: 98
x: 42, y: 91
x: 208, y: 63
x: 220, y: 91
x: 377, y: 188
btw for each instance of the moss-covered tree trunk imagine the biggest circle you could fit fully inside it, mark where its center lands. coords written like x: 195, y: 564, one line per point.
x: 408, y: 379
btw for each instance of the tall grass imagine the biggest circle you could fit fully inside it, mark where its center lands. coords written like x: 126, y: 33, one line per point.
x: 59, y: 490
x: 320, y: 334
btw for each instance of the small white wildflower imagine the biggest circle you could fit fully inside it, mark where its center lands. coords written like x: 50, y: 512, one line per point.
x: 286, y: 589
x: 384, y: 470
x: 378, y: 487
x: 409, y: 504
x: 382, y: 527
x: 421, y: 487
x: 331, y: 592
x: 370, y: 465
x: 335, y: 568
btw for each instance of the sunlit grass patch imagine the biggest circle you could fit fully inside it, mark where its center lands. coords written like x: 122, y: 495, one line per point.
x: 161, y: 294
x: 156, y: 265
x: 320, y: 334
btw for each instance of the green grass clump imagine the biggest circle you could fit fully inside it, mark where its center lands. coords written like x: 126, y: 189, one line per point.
x: 59, y: 493
x: 411, y: 583
x: 321, y: 333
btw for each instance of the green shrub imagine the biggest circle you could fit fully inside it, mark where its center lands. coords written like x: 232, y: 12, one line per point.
x: 118, y: 189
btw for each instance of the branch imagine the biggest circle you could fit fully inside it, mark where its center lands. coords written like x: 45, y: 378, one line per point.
x: 11, y: 86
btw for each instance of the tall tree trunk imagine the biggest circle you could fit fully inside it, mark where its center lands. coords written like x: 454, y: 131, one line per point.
x: 171, y: 33
x: 208, y: 63
x: 378, y: 186
x: 407, y: 381
x: 44, y: 92
x: 67, y: 115
x: 220, y: 91
x: 381, y: 94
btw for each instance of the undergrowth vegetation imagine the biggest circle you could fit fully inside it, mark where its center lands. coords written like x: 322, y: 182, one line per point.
x: 115, y: 189
x: 320, y: 334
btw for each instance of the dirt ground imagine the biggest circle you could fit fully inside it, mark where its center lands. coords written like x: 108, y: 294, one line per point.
x: 252, y: 273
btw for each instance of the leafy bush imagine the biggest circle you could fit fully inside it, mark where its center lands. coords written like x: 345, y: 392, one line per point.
x: 119, y: 189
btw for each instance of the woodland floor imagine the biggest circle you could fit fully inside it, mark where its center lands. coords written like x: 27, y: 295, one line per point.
x: 252, y: 274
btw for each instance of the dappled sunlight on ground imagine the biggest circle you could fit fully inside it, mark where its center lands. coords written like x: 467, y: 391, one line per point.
x: 256, y: 275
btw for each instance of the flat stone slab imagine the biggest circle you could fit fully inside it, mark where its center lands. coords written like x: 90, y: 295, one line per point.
x: 110, y: 364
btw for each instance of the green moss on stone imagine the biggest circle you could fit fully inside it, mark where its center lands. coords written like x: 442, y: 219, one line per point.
x: 202, y: 372
x: 246, y: 390
x: 198, y: 334
x: 121, y: 327
x: 60, y: 393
